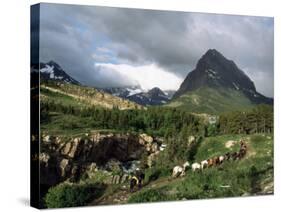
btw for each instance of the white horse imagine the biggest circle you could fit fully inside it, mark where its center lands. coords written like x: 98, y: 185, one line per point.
x: 186, y: 165
x: 221, y: 159
x: 204, y: 164
x: 195, y: 166
x: 180, y: 170
x: 177, y: 170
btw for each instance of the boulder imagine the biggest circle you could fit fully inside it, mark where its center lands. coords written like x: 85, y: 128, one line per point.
x: 75, y: 148
x: 58, y: 140
x: 64, y: 167
x: 151, y: 159
x: 66, y: 148
x: 44, y: 158
x: 145, y: 139
x: 154, y: 147
x: 48, y: 139
x: 148, y: 148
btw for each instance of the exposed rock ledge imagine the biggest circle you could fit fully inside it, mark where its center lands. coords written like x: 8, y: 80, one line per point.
x: 60, y: 159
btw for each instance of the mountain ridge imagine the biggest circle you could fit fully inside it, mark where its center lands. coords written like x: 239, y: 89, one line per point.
x: 217, y: 85
x: 215, y: 71
x: 53, y: 71
x: 154, y: 96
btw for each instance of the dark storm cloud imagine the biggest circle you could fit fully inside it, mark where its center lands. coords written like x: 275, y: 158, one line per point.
x: 71, y: 35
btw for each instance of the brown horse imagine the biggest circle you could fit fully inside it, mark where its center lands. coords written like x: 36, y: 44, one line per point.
x: 216, y: 160
x: 235, y: 155
x: 227, y: 156
x: 210, y: 162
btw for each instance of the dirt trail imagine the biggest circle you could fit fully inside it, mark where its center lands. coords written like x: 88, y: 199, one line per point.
x: 119, y: 197
x: 122, y: 195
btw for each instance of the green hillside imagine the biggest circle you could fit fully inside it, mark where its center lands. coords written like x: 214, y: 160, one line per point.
x: 212, y: 101
x: 71, y: 114
x: 253, y: 175
x: 82, y: 96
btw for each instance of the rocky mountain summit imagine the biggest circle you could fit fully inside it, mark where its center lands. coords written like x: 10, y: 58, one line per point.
x: 215, y: 71
x: 154, y: 96
x: 53, y: 71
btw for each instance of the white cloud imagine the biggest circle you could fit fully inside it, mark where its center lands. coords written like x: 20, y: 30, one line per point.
x: 104, y: 50
x: 147, y: 76
x: 173, y: 40
x: 101, y: 57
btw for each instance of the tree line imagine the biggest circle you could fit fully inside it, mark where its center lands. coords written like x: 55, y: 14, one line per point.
x: 168, y: 122
x: 159, y: 121
x: 257, y: 120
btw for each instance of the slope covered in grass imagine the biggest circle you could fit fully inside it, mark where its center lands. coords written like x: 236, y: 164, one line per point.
x: 212, y: 101
x: 83, y: 96
x: 252, y: 175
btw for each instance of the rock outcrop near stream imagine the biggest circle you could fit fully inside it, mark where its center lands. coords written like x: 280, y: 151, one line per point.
x: 63, y: 158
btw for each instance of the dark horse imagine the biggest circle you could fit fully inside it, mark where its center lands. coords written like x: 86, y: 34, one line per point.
x: 136, y: 181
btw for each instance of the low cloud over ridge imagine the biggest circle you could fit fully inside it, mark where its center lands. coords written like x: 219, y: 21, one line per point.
x: 81, y: 37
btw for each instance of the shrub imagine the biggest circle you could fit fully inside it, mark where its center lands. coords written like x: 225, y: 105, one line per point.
x: 154, y: 173
x: 151, y: 195
x: 67, y: 195
x: 213, y: 182
x: 257, y: 138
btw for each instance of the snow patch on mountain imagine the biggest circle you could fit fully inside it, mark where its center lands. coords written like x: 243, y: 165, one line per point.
x: 52, y: 71
x: 47, y: 69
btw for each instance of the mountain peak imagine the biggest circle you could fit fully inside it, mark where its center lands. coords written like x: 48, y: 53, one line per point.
x: 213, y: 59
x: 51, y: 62
x: 215, y: 71
x: 212, y: 52
x: 156, y: 91
x: 53, y: 71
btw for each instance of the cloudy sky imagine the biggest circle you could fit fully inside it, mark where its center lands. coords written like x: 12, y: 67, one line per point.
x: 109, y: 47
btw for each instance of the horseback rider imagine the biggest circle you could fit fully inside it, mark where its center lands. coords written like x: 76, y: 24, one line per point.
x: 140, y: 176
x: 136, y: 179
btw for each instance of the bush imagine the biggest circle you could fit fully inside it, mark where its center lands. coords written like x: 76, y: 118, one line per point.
x: 212, y: 130
x: 67, y: 195
x: 213, y: 182
x: 154, y: 173
x: 257, y: 138
x: 151, y: 195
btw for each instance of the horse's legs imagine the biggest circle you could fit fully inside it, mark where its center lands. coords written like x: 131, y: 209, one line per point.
x: 139, y: 185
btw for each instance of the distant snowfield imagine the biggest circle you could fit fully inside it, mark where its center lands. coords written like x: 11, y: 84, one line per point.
x: 147, y: 76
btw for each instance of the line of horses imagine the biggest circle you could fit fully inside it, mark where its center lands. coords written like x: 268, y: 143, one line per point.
x: 211, y: 162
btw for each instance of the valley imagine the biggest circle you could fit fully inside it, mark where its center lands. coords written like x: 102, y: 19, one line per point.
x: 94, y: 140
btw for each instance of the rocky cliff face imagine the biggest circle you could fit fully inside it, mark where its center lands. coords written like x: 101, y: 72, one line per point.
x: 62, y: 159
